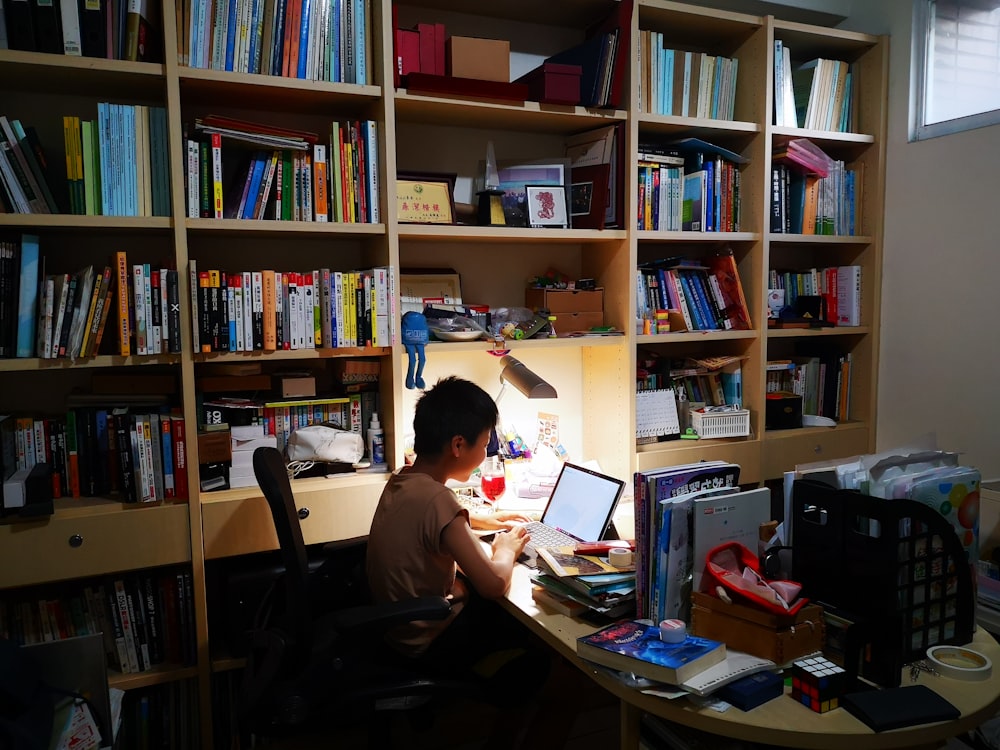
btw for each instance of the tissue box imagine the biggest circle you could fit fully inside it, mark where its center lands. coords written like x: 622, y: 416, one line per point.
x: 754, y: 631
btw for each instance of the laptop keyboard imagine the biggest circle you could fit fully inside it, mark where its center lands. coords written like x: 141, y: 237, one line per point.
x: 546, y: 536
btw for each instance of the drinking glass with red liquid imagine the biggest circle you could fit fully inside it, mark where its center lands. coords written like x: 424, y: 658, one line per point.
x: 493, y: 481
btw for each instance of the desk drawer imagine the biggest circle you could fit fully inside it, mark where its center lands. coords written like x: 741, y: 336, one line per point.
x: 241, y: 525
x: 78, y: 544
x: 785, y: 450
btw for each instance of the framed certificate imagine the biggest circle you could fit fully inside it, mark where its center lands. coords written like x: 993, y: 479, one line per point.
x: 425, y: 198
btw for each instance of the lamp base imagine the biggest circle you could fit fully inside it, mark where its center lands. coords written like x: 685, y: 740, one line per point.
x: 490, y: 212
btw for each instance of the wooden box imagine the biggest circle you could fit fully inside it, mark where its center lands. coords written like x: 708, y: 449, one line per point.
x: 554, y: 83
x: 754, y: 631
x: 558, y: 301
x: 483, y: 59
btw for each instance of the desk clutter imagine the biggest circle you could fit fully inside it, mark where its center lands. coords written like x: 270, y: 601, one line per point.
x: 880, y: 576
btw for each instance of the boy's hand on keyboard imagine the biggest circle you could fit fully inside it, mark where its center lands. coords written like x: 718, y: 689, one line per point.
x: 513, y: 540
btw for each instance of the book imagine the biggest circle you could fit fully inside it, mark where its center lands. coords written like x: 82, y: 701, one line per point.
x: 27, y: 298
x: 563, y: 561
x: 634, y: 647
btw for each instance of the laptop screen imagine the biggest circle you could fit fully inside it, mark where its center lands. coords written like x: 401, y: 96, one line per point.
x: 582, y: 502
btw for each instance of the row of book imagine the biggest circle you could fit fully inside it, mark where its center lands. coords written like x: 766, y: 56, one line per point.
x: 696, y: 383
x: 823, y: 380
x: 839, y: 286
x: 146, y: 619
x: 684, y: 83
x: 817, y: 95
x: 672, y: 200
x: 315, y: 40
x: 24, y: 170
x: 128, y: 453
x: 281, y: 418
x: 708, y: 295
x: 168, y: 713
x: 110, y: 29
x: 810, y: 204
x: 272, y: 173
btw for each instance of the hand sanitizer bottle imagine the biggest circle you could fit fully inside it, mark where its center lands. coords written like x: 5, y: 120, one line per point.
x: 376, y: 441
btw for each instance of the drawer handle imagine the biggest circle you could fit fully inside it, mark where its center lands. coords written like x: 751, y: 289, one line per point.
x: 818, y: 448
x: 303, y: 514
x: 76, y: 541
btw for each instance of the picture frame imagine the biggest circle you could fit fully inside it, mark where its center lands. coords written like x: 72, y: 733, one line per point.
x: 546, y: 206
x: 515, y: 176
x: 588, y: 196
x: 425, y: 197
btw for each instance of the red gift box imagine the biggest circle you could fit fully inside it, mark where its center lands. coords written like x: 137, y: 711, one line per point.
x: 553, y: 83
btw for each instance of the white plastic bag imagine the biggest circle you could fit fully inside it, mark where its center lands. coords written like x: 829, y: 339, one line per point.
x: 323, y: 443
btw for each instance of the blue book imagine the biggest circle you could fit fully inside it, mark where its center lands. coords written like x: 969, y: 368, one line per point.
x: 257, y: 172
x: 634, y: 647
x: 304, y: 39
x: 27, y: 297
x: 697, y: 312
x: 254, y: 32
x: 360, y: 24
x: 336, y: 64
x: 231, y: 32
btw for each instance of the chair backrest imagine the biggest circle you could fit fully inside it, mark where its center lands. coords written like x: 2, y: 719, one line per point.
x: 272, y: 476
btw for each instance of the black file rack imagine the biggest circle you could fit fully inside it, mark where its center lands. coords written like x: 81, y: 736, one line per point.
x: 897, y: 564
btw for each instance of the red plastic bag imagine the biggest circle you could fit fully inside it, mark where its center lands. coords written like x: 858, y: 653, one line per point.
x: 736, y: 570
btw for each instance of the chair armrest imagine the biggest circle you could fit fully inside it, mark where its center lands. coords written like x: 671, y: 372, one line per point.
x: 390, y: 614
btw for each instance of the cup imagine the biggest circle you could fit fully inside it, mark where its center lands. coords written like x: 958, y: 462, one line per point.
x: 494, y: 481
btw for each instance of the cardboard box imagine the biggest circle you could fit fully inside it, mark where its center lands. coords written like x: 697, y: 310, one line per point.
x: 296, y: 385
x: 553, y: 83
x: 754, y: 631
x: 558, y: 301
x: 483, y: 59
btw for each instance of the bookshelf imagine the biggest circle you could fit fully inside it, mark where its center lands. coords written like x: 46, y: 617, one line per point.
x: 595, y: 377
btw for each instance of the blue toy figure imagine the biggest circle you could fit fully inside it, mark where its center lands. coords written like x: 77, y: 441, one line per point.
x: 415, y: 336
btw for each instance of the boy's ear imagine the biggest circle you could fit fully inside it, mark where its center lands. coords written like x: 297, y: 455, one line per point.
x: 457, y: 444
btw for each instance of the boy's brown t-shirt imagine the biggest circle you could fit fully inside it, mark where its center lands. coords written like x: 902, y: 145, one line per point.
x: 405, y: 557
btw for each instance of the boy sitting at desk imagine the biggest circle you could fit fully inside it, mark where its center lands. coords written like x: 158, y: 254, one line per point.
x: 421, y: 538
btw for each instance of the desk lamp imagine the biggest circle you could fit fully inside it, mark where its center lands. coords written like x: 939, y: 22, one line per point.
x: 527, y: 382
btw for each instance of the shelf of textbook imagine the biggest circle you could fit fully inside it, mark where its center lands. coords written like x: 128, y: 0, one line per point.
x: 818, y: 239
x: 225, y: 88
x: 791, y: 333
x: 465, y: 233
x: 233, y: 227
x: 38, y: 71
x: 477, y: 113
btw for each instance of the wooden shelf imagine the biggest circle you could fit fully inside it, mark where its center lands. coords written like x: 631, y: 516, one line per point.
x: 103, y: 361
x: 685, y: 337
x: 159, y: 675
x: 264, y: 227
x: 293, y: 354
x: 716, y: 238
x: 92, y: 223
x: 464, y: 233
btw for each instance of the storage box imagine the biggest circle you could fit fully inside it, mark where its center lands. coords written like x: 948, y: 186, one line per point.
x: 754, y: 631
x: 725, y: 424
x: 558, y: 301
x: 553, y: 83
x: 579, y: 321
x: 782, y: 410
x: 472, y: 57
x: 296, y: 385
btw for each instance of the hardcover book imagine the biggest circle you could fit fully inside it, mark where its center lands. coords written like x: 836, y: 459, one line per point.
x: 632, y: 646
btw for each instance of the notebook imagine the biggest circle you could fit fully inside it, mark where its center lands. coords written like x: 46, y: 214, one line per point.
x: 898, y: 707
x: 579, y: 509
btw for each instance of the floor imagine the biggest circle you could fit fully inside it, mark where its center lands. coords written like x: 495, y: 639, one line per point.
x: 575, y: 713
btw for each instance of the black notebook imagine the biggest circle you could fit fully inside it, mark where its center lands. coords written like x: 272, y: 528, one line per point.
x: 897, y: 707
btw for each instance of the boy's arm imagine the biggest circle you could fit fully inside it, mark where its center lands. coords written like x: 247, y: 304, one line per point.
x: 490, y: 576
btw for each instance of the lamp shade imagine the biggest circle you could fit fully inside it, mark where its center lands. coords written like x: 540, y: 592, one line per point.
x: 526, y: 381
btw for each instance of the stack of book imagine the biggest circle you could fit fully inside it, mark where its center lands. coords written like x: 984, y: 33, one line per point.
x: 572, y: 583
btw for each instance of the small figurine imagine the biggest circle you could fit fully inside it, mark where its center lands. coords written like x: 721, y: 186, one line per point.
x: 415, y: 337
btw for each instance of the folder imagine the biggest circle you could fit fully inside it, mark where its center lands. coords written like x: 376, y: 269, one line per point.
x: 48, y: 34
x: 20, y: 25
x: 93, y: 28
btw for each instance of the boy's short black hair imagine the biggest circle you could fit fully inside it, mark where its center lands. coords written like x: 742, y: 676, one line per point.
x: 452, y: 407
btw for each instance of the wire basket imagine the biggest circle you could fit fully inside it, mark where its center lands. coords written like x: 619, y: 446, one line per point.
x: 721, y: 424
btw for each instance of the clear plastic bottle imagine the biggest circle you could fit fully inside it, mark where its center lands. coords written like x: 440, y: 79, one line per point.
x: 376, y: 441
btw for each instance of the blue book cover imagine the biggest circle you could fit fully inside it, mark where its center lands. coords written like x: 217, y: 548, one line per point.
x: 360, y: 63
x: 254, y: 33
x: 635, y: 647
x: 231, y: 32
x: 304, y: 39
x: 259, y: 160
x: 27, y: 297
x: 336, y: 64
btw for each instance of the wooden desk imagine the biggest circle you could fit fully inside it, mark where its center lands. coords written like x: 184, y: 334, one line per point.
x: 778, y: 722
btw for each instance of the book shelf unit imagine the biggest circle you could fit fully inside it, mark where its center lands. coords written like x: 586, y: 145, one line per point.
x: 595, y: 377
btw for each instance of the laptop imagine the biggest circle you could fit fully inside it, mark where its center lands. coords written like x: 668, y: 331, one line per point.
x: 579, y: 509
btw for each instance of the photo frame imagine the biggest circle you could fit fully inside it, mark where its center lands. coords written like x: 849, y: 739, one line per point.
x: 515, y: 176
x: 425, y: 197
x: 588, y: 196
x: 546, y: 206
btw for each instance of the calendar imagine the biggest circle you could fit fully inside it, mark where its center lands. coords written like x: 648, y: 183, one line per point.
x: 656, y: 414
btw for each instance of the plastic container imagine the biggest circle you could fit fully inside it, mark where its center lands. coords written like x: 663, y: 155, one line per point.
x: 376, y: 441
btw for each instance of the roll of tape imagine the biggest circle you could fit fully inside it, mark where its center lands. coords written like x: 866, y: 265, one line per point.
x: 960, y: 663
x: 620, y: 558
x: 673, y: 631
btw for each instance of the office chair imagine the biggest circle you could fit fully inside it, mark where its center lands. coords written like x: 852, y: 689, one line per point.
x: 316, y: 652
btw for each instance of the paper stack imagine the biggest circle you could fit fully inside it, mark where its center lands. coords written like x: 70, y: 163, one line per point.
x: 245, y: 440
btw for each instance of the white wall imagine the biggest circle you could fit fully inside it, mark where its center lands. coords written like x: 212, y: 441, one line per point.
x: 940, y: 363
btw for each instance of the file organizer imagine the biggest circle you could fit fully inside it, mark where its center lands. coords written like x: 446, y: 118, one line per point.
x: 898, y: 564
x: 656, y: 414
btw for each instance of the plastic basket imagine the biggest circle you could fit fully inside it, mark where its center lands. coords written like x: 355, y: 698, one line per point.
x: 721, y: 424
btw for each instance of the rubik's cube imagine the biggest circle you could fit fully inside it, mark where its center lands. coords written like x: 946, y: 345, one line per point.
x: 818, y: 683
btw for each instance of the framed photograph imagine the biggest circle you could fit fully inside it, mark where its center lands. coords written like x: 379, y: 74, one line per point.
x: 425, y: 198
x: 588, y: 196
x: 546, y: 206
x: 514, y: 178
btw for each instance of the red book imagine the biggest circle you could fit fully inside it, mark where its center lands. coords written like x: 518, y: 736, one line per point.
x: 407, y: 53
x: 439, y: 38
x: 180, y: 458
x: 427, y: 48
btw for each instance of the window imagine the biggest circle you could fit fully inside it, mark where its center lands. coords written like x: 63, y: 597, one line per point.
x: 955, y: 82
